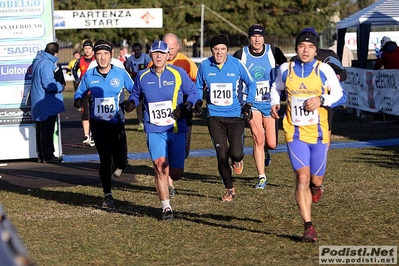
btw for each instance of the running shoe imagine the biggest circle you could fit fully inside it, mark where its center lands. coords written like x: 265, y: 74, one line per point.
x: 238, y: 167
x: 117, y: 172
x: 87, y: 140
x: 167, y: 214
x: 172, y: 192
x: 92, y: 143
x: 267, y: 158
x: 310, y: 234
x: 316, y: 194
x: 108, y: 202
x: 230, y: 195
x: 261, y: 183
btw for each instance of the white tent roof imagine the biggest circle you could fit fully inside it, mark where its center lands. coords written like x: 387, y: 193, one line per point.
x: 382, y: 13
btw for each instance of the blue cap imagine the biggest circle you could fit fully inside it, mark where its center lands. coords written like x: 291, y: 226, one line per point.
x: 159, y: 46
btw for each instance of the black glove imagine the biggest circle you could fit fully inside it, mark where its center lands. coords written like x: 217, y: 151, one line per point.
x: 198, y: 107
x: 78, y: 103
x: 247, y: 112
x: 129, y: 105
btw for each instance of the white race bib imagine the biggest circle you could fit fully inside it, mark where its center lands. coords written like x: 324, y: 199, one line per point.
x: 300, y: 116
x: 262, y: 91
x: 161, y: 113
x: 104, y: 108
x: 221, y: 94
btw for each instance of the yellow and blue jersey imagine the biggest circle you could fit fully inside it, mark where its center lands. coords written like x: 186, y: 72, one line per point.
x: 300, y: 82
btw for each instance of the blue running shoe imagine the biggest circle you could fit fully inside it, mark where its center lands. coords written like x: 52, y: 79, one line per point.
x: 267, y: 158
x: 261, y: 183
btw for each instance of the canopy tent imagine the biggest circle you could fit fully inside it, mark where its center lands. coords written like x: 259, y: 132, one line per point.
x: 381, y: 13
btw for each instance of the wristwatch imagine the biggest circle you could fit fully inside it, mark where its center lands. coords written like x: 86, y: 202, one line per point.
x: 321, y: 100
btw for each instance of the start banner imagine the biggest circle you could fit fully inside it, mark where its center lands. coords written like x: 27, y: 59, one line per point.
x: 372, y: 90
x: 108, y: 18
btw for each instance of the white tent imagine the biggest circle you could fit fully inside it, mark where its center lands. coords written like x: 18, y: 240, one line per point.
x: 381, y: 13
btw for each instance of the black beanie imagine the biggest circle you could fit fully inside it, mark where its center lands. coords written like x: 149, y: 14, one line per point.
x: 256, y: 29
x: 88, y: 43
x: 307, y: 35
x: 219, y: 39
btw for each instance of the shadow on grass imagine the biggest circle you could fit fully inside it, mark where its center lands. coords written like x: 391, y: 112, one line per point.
x: 131, y: 209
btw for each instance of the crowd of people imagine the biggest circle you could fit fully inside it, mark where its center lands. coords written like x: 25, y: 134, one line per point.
x: 166, y: 88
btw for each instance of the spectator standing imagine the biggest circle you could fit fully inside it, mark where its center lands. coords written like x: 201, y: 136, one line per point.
x: 310, y: 86
x: 347, y: 55
x: 390, y: 55
x: 262, y: 60
x: 220, y: 75
x: 82, y: 65
x: 46, y: 102
x: 136, y: 62
x: 165, y: 115
x: 106, y: 84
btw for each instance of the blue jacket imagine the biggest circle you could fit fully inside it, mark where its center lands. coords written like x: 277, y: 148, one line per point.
x: 46, y: 92
x: 107, y: 93
x: 166, y: 90
x: 225, y: 95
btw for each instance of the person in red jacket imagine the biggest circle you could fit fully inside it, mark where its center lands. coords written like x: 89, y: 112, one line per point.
x: 390, y: 55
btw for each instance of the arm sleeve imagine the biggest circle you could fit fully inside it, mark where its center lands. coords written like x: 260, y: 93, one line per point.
x: 333, y: 85
x: 238, y: 54
x: 279, y: 57
x: 135, y: 93
x: 249, y: 81
x: 193, y: 70
x: 200, y: 83
x: 278, y: 85
x: 48, y: 81
x: 75, y: 69
x: 81, y: 90
x: 128, y: 82
x: 189, y: 88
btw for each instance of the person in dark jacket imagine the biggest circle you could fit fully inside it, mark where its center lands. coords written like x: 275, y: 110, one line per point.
x: 390, y: 55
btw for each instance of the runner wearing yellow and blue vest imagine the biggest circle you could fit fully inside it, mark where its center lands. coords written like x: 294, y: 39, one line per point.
x: 161, y: 87
x: 310, y: 86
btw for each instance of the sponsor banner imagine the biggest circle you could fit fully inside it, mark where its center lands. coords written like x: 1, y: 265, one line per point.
x: 374, y: 40
x: 11, y: 116
x: 26, y: 26
x: 358, y: 255
x: 109, y: 18
x: 372, y: 90
x: 14, y: 94
x: 12, y: 8
x: 16, y: 72
x: 22, y: 28
x: 20, y: 50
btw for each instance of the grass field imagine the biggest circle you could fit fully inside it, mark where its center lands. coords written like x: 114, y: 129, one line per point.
x: 64, y: 225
